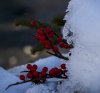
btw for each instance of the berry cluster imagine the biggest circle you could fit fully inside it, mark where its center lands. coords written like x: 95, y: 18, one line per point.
x: 46, y: 35
x: 36, y: 77
x: 40, y: 77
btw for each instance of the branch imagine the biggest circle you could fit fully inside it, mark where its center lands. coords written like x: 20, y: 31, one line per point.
x: 62, y: 57
x: 24, y: 71
x: 17, y: 84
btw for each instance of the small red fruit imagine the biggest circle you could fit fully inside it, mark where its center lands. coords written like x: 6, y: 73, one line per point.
x: 59, y: 39
x: 33, y: 23
x: 29, y: 66
x: 48, y: 30
x: 41, y: 38
x: 32, y: 69
x: 37, y: 37
x: 45, y: 69
x: 63, y: 66
x: 51, y: 35
x: 22, y: 77
x: 55, y: 49
x: 40, y: 31
x: 43, y: 74
x: 63, y: 45
x: 35, y: 74
x: 52, y: 72
x: 46, y: 42
x: 59, y: 72
x: 35, y: 67
x: 29, y: 75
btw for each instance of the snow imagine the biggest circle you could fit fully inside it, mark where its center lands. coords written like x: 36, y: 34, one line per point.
x: 6, y: 79
x: 11, y: 77
x: 83, y: 20
x: 42, y: 89
x: 50, y: 62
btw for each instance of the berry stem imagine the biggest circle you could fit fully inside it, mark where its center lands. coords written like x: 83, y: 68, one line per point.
x: 24, y: 71
x: 62, y: 57
x: 17, y: 84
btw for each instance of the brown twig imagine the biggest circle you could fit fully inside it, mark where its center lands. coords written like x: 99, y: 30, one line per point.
x: 62, y: 57
x: 17, y: 84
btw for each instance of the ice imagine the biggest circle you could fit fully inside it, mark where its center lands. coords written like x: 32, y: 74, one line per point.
x: 84, y: 67
x: 6, y: 79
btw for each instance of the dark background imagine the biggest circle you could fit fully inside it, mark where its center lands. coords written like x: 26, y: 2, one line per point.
x: 16, y: 41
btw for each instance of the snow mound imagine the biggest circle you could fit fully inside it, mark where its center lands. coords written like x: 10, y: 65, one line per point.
x: 50, y: 62
x: 84, y: 67
x: 6, y: 79
x: 12, y: 76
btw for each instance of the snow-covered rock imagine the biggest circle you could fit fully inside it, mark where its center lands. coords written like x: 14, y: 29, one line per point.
x: 83, y: 20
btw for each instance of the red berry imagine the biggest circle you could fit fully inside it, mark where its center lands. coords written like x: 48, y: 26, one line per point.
x: 29, y: 66
x: 53, y: 72
x: 35, y: 67
x: 37, y: 37
x: 59, y: 71
x: 22, y: 77
x: 63, y: 66
x: 29, y: 75
x: 32, y: 69
x: 33, y: 23
x: 40, y: 31
x: 48, y: 30
x: 56, y: 70
x: 42, y: 38
x: 46, y: 42
x: 59, y: 39
x: 35, y: 74
x: 43, y: 74
x: 55, y: 49
x: 63, y: 45
x: 67, y: 46
x: 51, y: 35
x: 45, y: 69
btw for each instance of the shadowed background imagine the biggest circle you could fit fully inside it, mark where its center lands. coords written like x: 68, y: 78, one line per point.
x: 16, y: 41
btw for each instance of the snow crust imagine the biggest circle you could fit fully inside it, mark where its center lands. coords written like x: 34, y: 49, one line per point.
x: 83, y: 20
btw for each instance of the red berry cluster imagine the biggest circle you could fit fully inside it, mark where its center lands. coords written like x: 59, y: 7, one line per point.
x: 40, y: 77
x: 46, y: 35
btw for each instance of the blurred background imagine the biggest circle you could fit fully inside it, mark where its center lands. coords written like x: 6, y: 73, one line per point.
x: 16, y: 40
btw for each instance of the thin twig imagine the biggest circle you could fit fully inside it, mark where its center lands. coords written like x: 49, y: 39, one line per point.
x: 62, y: 57
x: 17, y: 83
x: 24, y: 71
